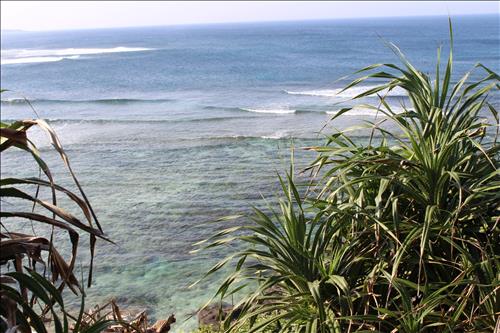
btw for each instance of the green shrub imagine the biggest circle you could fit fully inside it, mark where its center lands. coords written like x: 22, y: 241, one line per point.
x: 32, y: 300
x: 398, y: 235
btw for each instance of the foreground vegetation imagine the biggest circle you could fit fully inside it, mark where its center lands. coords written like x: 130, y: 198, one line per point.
x: 398, y: 235
x: 34, y: 273
x: 31, y: 288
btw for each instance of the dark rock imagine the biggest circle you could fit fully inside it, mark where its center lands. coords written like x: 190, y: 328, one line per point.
x: 213, y: 314
x: 274, y: 290
x: 162, y: 326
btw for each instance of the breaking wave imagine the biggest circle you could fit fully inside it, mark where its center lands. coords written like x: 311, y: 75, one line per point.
x: 91, y: 101
x: 32, y: 60
x: 350, y: 93
x: 361, y: 111
x: 275, y: 111
x: 27, y: 56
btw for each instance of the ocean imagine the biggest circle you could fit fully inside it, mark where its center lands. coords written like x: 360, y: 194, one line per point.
x: 170, y: 128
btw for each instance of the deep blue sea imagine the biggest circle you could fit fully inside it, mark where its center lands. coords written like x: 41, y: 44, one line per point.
x: 169, y: 128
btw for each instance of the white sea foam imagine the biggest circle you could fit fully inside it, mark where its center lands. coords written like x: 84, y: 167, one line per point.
x: 276, y: 136
x: 18, y: 53
x: 320, y: 93
x: 24, y: 56
x: 349, y: 93
x: 29, y: 60
x: 276, y: 111
x: 362, y: 111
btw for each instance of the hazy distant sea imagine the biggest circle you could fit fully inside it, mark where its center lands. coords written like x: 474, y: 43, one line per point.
x: 168, y: 128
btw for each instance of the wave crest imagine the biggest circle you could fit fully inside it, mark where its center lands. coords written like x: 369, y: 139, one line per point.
x: 26, y: 56
x: 361, y: 111
x: 349, y: 93
x: 118, y: 101
x: 275, y: 111
x: 31, y: 60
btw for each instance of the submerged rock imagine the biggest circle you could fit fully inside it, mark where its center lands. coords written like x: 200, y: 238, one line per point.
x: 213, y: 314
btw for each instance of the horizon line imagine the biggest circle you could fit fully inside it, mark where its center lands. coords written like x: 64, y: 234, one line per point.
x: 13, y: 30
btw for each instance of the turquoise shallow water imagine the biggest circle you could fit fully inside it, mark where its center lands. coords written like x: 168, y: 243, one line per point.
x: 170, y: 128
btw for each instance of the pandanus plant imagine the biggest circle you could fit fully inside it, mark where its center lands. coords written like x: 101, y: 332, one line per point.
x: 397, y: 234
x: 34, y: 272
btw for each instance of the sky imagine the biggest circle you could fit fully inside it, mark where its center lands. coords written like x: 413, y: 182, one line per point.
x: 63, y: 15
